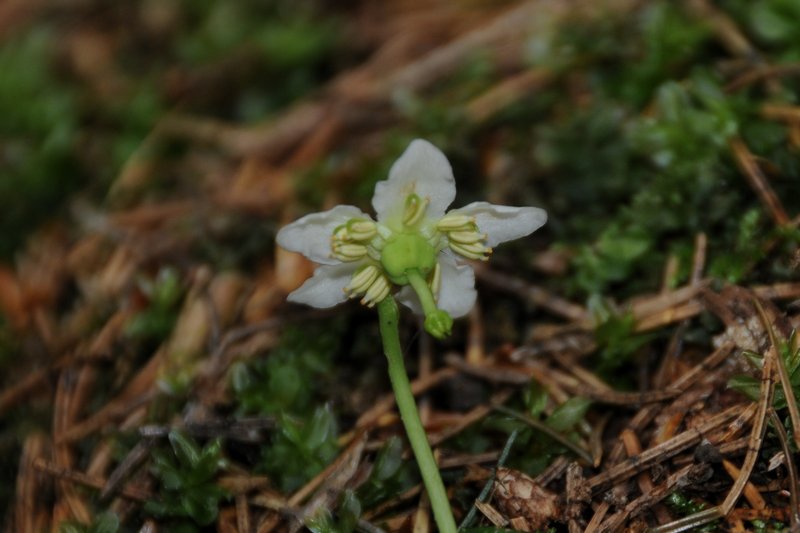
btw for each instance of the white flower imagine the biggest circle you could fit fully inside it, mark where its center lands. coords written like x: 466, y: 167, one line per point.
x: 414, y: 237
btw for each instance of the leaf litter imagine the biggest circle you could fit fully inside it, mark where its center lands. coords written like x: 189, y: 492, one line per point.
x: 632, y: 367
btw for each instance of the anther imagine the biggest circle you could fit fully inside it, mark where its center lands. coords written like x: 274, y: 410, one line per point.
x: 340, y: 233
x: 472, y: 251
x: 360, y: 229
x: 456, y: 222
x: 414, y: 210
x: 376, y: 292
x: 361, y: 280
x: 466, y: 237
x: 348, y: 251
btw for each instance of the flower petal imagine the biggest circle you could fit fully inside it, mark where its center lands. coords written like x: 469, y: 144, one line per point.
x: 503, y: 223
x: 408, y: 297
x: 422, y: 169
x: 311, y: 235
x: 326, y: 287
x: 457, y: 294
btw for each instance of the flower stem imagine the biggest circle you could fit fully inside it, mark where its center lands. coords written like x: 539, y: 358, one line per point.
x: 389, y: 318
x: 424, y: 294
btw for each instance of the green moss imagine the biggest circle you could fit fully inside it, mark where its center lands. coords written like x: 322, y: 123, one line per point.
x: 186, y: 475
x: 39, y: 131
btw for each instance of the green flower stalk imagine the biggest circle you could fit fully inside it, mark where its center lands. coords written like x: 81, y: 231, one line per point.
x: 415, y: 253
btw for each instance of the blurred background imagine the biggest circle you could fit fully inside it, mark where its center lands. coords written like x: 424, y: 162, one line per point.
x: 150, y: 150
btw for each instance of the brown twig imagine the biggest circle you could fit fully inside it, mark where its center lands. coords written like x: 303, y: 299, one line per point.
x: 127, y: 491
x: 755, y: 177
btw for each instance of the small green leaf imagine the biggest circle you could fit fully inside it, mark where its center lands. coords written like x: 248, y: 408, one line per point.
x: 107, y: 522
x: 349, y: 511
x: 568, y: 414
x: 389, y: 459
x: 535, y: 399
x: 322, y: 426
x: 186, y: 451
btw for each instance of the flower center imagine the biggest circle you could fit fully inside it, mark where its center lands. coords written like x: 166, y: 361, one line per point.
x: 404, y: 252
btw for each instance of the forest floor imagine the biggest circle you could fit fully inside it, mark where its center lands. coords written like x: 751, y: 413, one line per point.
x: 631, y: 366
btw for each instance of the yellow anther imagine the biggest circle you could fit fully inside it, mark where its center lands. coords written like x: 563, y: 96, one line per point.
x: 348, y: 252
x: 361, y: 280
x: 466, y: 237
x: 360, y: 229
x: 414, y: 210
x: 471, y: 251
x: 377, y: 292
x: 456, y: 222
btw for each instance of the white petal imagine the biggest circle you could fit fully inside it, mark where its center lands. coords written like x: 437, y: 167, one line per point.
x: 422, y: 169
x: 457, y: 294
x: 311, y: 235
x: 326, y: 287
x: 503, y: 223
x: 408, y: 297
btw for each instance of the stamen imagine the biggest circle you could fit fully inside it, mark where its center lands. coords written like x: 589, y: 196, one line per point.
x: 456, y: 222
x: 415, y: 209
x: 436, y: 282
x: 472, y: 251
x: 466, y: 237
x: 360, y: 229
x: 361, y: 280
x: 340, y: 233
x: 376, y: 292
x: 348, y: 251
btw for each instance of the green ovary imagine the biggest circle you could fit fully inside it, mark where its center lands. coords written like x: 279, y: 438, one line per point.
x: 404, y: 252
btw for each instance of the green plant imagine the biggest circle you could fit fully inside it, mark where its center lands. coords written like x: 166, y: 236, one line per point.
x: 106, y: 522
x: 390, y: 475
x: 186, y: 475
x: 789, y: 351
x: 164, y: 295
x: 291, y: 378
x: 301, y: 448
x: 346, y: 519
x: 615, y: 335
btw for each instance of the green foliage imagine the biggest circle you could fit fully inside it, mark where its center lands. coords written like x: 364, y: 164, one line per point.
x: 539, y: 448
x: 288, y: 384
x: 500, y: 530
x: 789, y: 351
x: 39, y: 132
x: 598, y: 177
x: 296, y: 42
x: 659, y: 44
x: 748, y: 250
x: 683, y: 505
x: 346, y: 519
x: 535, y: 399
x: 774, y: 23
x: 301, y: 448
x: 157, y: 320
x: 289, y: 378
x: 186, y: 476
x: 286, y: 45
x: 673, y: 169
x: 670, y: 41
x: 615, y: 335
x: 612, y: 258
x: 771, y: 526
x: 106, y: 522
x: 391, y: 475
x: 569, y: 414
